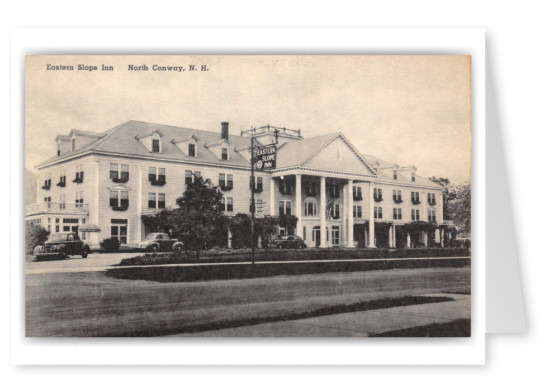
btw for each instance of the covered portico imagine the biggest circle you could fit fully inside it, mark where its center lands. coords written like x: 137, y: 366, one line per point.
x: 323, y: 202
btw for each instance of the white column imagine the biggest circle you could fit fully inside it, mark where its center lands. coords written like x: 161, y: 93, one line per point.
x: 350, y: 214
x: 371, y: 215
x: 93, y: 212
x: 440, y: 207
x: 140, y: 205
x: 272, y: 196
x: 322, y: 211
x: 408, y: 240
x: 366, y: 238
x: 393, y: 236
x: 390, y: 236
x: 425, y: 238
x: 229, y: 238
x: 298, y: 203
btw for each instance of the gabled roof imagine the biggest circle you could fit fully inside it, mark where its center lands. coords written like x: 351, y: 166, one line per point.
x: 402, y: 179
x: 122, y: 140
x: 298, y: 153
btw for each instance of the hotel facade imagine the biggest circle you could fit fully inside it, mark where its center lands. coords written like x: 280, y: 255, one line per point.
x: 101, y: 184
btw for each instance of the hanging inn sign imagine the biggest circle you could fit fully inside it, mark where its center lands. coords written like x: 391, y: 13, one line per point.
x: 266, y: 157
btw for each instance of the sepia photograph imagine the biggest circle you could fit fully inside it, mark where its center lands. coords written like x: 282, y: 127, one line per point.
x: 248, y: 196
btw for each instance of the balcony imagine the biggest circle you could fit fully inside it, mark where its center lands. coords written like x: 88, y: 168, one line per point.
x: 66, y: 208
x: 397, y: 200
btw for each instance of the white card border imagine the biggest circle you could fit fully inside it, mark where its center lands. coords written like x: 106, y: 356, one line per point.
x: 184, y: 351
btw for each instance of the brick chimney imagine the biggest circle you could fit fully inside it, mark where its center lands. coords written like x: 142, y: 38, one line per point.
x: 225, y: 131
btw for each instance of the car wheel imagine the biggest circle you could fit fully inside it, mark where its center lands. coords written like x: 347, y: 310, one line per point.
x: 85, y: 253
x: 302, y: 246
x: 155, y: 249
x: 63, y: 254
x: 178, y: 248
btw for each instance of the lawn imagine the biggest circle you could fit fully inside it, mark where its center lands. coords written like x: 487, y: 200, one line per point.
x: 94, y: 304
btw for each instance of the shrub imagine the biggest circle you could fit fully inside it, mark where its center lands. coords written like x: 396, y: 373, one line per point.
x: 110, y: 245
x: 35, y: 235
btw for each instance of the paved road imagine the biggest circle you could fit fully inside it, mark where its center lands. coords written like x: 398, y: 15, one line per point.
x: 93, y: 304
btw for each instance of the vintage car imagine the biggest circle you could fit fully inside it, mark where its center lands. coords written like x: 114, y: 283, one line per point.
x: 289, y: 241
x: 61, y: 244
x: 158, y: 241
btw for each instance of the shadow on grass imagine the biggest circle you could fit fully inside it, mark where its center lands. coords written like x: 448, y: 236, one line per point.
x: 457, y: 328
x: 330, y: 310
x: 230, y: 272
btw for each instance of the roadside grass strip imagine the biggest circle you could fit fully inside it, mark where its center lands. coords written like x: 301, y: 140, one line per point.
x: 250, y: 321
x: 456, y: 328
x: 231, y: 271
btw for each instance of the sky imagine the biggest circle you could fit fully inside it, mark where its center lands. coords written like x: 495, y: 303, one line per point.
x: 412, y: 110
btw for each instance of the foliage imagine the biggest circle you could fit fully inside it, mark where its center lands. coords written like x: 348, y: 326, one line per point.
x: 460, y: 206
x: 240, y: 226
x: 110, y: 245
x: 243, y: 255
x: 200, y: 221
x: 288, y: 221
x: 35, y: 235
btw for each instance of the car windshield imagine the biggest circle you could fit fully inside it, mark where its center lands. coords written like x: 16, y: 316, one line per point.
x: 151, y: 236
x: 57, y: 237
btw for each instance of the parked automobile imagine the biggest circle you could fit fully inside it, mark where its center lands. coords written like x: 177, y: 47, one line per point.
x: 62, y: 245
x: 158, y: 241
x: 289, y: 241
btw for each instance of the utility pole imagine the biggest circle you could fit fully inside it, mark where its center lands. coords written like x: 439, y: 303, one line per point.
x: 252, y: 195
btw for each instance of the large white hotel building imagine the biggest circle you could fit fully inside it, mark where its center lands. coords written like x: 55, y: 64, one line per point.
x: 102, y: 183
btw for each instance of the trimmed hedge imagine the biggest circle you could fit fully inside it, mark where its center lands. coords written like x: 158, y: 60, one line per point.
x: 244, y: 255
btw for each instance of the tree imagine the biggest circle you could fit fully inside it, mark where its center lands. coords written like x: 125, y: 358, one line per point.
x: 460, y: 206
x: 35, y: 235
x: 240, y: 226
x: 200, y: 221
x: 447, y: 195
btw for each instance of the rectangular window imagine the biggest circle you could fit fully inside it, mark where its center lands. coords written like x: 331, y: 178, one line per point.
x: 378, y: 194
x: 224, y: 153
x: 432, y: 216
x: 196, y: 175
x: 334, y: 190
x: 114, y: 171
x: 225, y: 181
x: 378, y: 212
x: 189, y: 177
x: 397, y: 214
x: 397, y: 195
x: 357, y: 211
x: 152, y: 174
x: 310, y: 208
x: 357, y: 193
x: 285, y: 207
x: 415, y: 197
x: 431, y: 197
x: 285, y: 186
x: 156, y: 145
x: 79, y: 199
x: 161, y: 204
x: 191, y: 150
x: 415, y: 214
x: 62, y: 201
x: 124, y: 199
x: 229, y: 204
x: 113, y: 198
x: 152, y: 200
x: 119, y: 173
x: 335, y: 237
x: 119, y: 230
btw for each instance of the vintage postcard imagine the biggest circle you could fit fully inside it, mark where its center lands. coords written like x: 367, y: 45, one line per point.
x: 248, y: 196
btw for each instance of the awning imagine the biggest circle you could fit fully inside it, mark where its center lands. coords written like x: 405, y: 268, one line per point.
x: 88, y: 228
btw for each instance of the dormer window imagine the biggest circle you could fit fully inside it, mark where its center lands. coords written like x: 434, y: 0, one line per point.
x: 413, y: 177
x: 191, y: 150
x: 73, y: 144
x: 155, y: 145
x: 224, y: 153
x: 58, y: 149
x: 395, y: 174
